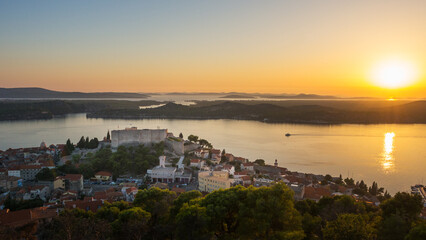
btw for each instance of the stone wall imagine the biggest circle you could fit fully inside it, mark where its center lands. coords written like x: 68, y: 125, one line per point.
x: 175, y: 146
x: 191, y: 147
x: 136, y: 137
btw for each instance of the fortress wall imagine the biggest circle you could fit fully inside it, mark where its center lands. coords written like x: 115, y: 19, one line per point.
x: 135, y: 137
x: 175, y: 146
x: 158, y: 135
x: 145, y: 136
x: 114, y: 138
x: 191, y: 147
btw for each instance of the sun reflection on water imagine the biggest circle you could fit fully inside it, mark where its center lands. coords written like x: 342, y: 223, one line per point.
x: 387, y: 161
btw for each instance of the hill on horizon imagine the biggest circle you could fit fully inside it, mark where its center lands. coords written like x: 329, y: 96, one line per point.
x: 45, y: 93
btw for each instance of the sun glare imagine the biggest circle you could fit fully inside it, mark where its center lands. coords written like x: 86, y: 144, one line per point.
x: 394, y: 74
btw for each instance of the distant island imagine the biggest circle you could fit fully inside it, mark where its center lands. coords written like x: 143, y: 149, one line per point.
x: 297, y: 96
x: 297, y: 111
x: 45, y: 93
x: 238, y: 96
x: 413, y: 112
x: 11, y: 110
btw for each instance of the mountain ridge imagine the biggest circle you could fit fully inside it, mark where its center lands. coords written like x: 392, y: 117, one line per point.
x: 35, y: 92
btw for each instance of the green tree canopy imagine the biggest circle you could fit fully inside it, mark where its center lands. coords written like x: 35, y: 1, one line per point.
x: 349, y: 227
x: 183, y: 198
x: 418, y: 232
x: 403, y: 204
x: 192, y: 223
x: 204, y: 143
x: 260, y: 162
x: 253, y: 213
x: 193, y: 138
x: 158, y: 203
x: 132, y: 224
x: 329, y: 208
x: 269, y: 213
x: 46, y: 174
x: 399, y: 213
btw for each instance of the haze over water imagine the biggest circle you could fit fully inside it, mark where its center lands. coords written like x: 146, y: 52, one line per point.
x: 391, y: 154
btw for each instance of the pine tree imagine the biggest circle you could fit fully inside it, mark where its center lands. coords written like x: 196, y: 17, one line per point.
x: 373, y: 189
x: 87, y: 143
x: 81, y: 143
x: 69, y: 147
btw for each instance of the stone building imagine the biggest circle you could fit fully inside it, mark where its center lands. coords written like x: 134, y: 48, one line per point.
x: 26, y: 172
x: 72, y: 182
x: 8, y: 182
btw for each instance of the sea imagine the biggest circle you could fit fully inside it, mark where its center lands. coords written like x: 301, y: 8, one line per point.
x: 393, y: 155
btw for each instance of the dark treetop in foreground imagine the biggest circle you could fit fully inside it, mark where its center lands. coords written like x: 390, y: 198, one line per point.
x: 235, y: 213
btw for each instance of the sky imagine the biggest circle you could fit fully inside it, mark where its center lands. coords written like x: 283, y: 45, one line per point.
x: 322, y: 47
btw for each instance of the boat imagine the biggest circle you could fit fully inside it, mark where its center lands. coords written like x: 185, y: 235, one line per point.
x: 287, y: 134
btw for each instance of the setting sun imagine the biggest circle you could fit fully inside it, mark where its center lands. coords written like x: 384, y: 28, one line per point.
x: 394, y: 74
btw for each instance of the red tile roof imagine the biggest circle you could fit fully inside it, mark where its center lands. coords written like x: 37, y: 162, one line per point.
x: 215, y: 151
x: 100, y: 195
x: 131, y: 189
x: 85, y: 205
x: 246, y: 178
x: 104, y: 173
x: 227, y: 166
x: 316, y: 193
x: 22, y: 217
x: 241, y: 159
x: 72, y: 177
x: 20, y: 167
x: 294, y: 179
x: 109, y: 194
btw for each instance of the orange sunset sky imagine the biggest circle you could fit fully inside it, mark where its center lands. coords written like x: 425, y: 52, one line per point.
x: 322, y: 47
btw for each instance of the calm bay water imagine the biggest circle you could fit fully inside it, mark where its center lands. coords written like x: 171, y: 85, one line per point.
x: 394, y: 155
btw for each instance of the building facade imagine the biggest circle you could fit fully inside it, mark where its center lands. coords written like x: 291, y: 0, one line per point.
x: 72, y: 182
x: 210, y: 181
x: 164, y: 174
